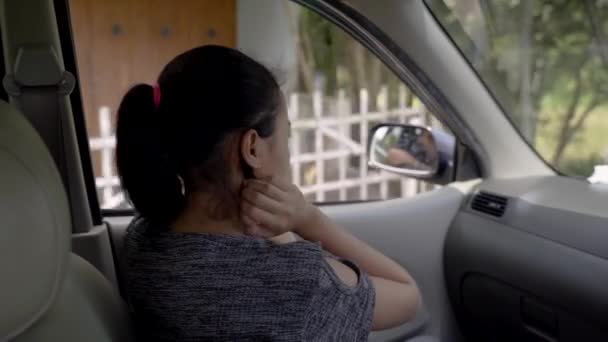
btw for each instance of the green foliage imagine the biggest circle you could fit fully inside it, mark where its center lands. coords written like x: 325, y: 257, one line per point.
x: 329, y: 54
x: 580, y: 166
x: 543, y: 61
x: 326, y: 46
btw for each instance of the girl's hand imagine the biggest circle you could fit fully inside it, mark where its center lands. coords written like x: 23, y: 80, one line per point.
x: 284, y: 238
x: 271, y: 208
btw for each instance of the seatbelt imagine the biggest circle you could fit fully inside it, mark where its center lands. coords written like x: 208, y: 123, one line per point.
x: 39, y: 86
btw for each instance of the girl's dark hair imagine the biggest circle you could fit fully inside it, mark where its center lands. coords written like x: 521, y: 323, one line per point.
x: 206, y: 95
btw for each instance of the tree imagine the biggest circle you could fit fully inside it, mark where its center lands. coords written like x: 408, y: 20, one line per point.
x: 327, y: 53
x: 547, y: 51
x: 545, y: 61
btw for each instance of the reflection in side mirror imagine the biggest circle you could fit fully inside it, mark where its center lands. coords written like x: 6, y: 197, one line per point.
x: 404, y: 149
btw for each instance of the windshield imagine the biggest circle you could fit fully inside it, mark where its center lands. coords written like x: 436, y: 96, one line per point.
x: 546, y: 63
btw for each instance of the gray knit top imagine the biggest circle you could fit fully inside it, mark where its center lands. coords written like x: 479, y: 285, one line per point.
x: 209, y: 287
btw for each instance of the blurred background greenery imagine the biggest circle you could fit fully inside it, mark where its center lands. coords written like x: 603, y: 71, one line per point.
x: 545, y: 61
x: 547, y: 64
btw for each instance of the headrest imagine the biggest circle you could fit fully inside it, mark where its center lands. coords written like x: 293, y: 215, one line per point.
x: 35, y: 225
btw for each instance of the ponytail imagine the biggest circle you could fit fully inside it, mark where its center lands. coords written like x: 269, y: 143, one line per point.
x: 176, y: 138
x: 147, y: 175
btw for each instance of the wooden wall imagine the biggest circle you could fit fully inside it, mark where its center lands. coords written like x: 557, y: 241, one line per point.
x: 123, y: 42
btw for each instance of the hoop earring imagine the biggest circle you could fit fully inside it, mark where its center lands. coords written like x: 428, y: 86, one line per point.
x: 182, y: 185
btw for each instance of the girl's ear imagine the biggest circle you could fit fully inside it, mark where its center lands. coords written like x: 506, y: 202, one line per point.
x: 250, y: 149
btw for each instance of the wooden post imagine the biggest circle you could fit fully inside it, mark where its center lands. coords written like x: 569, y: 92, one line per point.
x: 363, y: 131
x: 402, y: 99
x: 295, y: 139
x: 344, y: 129
x: 317, y: 107
x: 382, y: 105
x: 105, y: 130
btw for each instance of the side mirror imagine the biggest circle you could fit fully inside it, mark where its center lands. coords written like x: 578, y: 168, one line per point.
x: 406, y: 150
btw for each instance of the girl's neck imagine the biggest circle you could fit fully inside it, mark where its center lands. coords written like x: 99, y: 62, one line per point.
x: 196, y: 218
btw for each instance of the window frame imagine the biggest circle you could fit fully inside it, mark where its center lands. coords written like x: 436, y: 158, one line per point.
x: 336, y: 12
x: 403, y: 67
x: 64, y: 28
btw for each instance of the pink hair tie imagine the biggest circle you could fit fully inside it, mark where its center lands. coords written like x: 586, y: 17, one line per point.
x: 156, y: 90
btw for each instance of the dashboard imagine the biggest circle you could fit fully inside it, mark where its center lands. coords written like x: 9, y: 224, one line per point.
x: 527, y: 260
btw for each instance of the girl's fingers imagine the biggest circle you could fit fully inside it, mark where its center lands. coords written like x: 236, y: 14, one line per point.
x: 267, y: 189
x: 262, y: 200
x: 262, y: 232
x: 252, y: 228
x: 281, y: 184
x: 261, y: 217
x: 249, y: 223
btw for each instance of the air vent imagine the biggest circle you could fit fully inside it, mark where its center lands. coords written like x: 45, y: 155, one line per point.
x: 490, y: 204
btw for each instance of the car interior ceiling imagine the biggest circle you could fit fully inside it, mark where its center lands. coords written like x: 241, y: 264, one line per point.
x: 499, y: 259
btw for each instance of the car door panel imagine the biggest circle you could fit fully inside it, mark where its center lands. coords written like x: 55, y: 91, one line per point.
x: 411, y: 231
x: 535, y: 270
